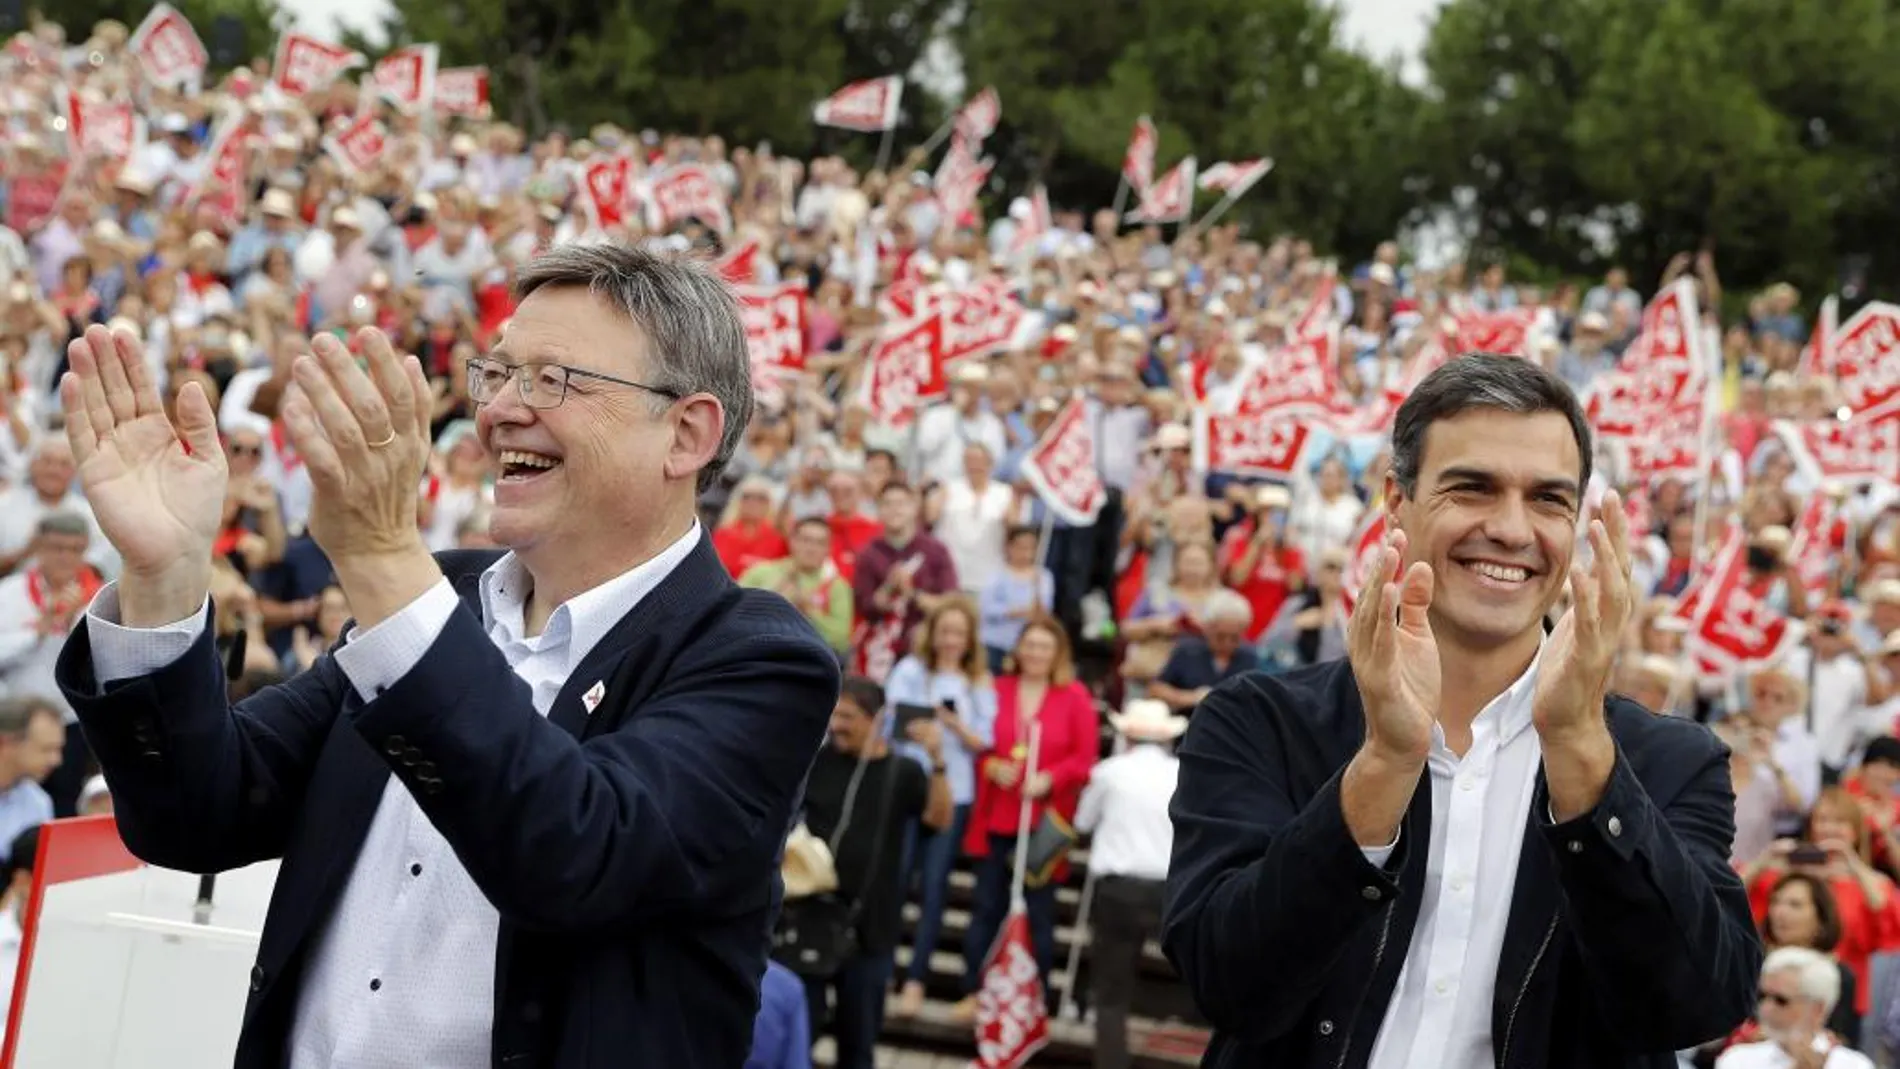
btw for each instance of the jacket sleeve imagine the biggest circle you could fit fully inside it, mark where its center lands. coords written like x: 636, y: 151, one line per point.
x: 679, y: 813
x: 1654, y: 906
x: 1264, y: 893
x: 200, y: 785
x: 1070, y: 771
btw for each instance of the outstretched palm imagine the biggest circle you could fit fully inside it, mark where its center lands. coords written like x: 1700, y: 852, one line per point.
x: 157, y: 497
x: 1394, y: 654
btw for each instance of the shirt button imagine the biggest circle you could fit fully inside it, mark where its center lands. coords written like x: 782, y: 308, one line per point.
x: 1371, y: 894
x: 1615, y: 827
x: 1441, y: 987
x: 1457, y: 883
x: 1326, y: 1028
x: 1466, y: 783
x: 375, y: 985
x: 1575, y: 846
x: 415, y: 869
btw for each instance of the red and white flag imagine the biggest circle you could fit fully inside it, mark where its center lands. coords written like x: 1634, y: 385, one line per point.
x: 1272, y: 447
x: 1366, y: 544
x: 1061, y: 467
x: 1012, y: 1013
x: 740, y: 264
x: 959, y: 179
x: 687, y: 191
x: 1864, y: 357
x: 462, y: 91
x: 1663, y: 369
x: 167, y: 47
x: 1030, y: 231
x: 100, y: 130
x: 1138, y: 163
x: 774, y: 327
x: 978, y: 117
x: 1235, y: 179
x: 978, y: 320
x: 1671, y: 445
x: 1170, y: 199
x: 358, y: 144
x: 604, y: 181
x: 406, y: 77
x: 1505, y: 333
x: 1321, y: 311
x: 906, y: 371
x: 869, y: 106
x: 1865, y: 448
x: 905, y: 298
x: 1818, y: 354
x: 305, y: 64
x: 1299, y: 379
x: 223, y: 186
x: 1732, y: 627
x: 1820, y: 536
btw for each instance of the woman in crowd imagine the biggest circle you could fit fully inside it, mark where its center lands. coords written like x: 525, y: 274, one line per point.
x: 1165, y: 612
x: 945, y: 671
x: 456, y: 486
x: 1311, y: 626
x: 1016, y: 593
x: 1802, y: 913
x: 1040, y: 700
x: 747, y: 535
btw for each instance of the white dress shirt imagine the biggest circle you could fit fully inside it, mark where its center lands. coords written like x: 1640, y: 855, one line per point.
x: 403, y: 974
x: 1125, y: 808
x: 1440, y: 1013
x: 1767, y: 1055
x: 26, y: 656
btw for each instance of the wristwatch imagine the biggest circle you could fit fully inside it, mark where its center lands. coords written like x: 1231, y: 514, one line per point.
x: 939, y: 769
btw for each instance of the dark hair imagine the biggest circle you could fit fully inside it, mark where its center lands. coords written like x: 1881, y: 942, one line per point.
x: 1827, y: 914
x: 885, y: 453
x: 863, y: 693
x: 894, y: 486
x: 809, y: 521
x: 1885, y: 749
x: 1481, y: 380
x: 1019, y: 530
x: 22, y: 853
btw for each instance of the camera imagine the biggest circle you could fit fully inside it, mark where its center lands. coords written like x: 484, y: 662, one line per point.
x: 1763, y: 559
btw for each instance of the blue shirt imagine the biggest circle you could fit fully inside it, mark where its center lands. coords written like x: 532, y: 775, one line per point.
x: 781, y: 1036
x: 1191, y: 665
x: 910, y: 683
x: 1006, y: 594
x: 22, y: 806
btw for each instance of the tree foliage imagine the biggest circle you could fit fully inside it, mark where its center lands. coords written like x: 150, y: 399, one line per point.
x: 256, y: 21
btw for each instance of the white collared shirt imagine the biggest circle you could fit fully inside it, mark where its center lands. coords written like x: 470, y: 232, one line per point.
x: 1125, y: 809
x: 1769, y: 1055
x: 1440, y: 1013
x: 403, y: 974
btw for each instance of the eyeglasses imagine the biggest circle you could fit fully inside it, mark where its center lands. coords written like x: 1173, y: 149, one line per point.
x: 542, y: 385
x: 1777, y: 999
x: 241, y: 450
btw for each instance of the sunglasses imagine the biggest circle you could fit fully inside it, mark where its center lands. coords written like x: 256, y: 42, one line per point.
x: 1779, y: 1000
x: 245, y: 450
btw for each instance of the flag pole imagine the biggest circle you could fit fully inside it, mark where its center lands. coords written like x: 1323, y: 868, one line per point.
x: 1226, y: 202
x: 1711, y: 400
x: 1121, y: 199
x: 884, y: 147
x: 942, y: 132
x: 1016, y: 899
x: 1046, y: 536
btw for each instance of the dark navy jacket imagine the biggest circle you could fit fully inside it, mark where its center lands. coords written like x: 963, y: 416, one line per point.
x: 632, y: 853
x: 1629, y: 936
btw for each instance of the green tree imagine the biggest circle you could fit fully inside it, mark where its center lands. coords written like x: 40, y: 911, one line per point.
x: 257, y: 21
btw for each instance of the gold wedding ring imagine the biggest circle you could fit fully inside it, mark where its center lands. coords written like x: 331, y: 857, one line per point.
x: 384, y: 442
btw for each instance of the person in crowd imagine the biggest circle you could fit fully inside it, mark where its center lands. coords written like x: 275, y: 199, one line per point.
x: 781, y: 1035
x: 1046, y: 741
x: 50, y: 486
x: 1197, y: 663
x: 852, y: 528
x: 945, y: 672
x: 944, y: 431
x: 32, y: 745
x: 1168, y: 612
x: 902, y: 576
x: 1327, y: 511
x: 39, y: 606
x: 1799, y: 988
x: 23, y: 848
x: 746, y: 535
x: 1790, y: 756
x: 1311, y: 626
x: 1019, y: 592
x: 1802, y: 913
x: 1833, y: 847
x: 971, y: 515
x: 459, y: 484
x: 1315, y: 886
x: 1124, y: 812
x: 861, y: 798
x: 810, y: 581
x: 1257, y: 563
x: 498, y: 863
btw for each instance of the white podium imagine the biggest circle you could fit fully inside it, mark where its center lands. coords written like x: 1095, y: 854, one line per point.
x: 120, y: 967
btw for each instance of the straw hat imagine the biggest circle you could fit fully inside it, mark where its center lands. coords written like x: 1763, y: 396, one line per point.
x: 1149, y: 720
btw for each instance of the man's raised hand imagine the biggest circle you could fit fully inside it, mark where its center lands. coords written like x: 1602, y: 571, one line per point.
x: 156, y: 490
x: 1394, y: 655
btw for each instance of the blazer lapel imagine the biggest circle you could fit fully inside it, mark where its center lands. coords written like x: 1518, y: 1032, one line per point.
x: 1535, y: 905
x: 622, y: 667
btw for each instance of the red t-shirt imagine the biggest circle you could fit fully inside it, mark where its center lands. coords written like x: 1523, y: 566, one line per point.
x: 741, y: 545
x: 1274, y: 576
x: 849, y: 535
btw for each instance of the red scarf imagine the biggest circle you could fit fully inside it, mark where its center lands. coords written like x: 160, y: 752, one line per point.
x: 90, y: 583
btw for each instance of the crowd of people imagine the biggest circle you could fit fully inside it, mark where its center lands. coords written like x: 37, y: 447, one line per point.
x: 972, y: 620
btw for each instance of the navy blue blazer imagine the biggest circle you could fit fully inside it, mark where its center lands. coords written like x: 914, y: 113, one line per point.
x: 1629, y: 936
x: 632, y: 853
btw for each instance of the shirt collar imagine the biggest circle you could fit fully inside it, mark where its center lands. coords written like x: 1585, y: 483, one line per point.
x: 584, y: 619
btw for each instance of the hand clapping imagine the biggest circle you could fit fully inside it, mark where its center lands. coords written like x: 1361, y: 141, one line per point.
x: 1575, y: 675
x: 1394, y: 655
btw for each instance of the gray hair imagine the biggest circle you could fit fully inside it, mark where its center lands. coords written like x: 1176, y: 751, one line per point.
x: 695, y: 334
x: 1228, y: 607
x: 1816, y: 974
x: 64, y: 522
x: 1481, y: 380
x: 18, y: 711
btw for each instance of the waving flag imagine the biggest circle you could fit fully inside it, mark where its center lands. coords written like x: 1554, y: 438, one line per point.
x: 167, y: 48
x: 978, y: 117
x: 305, y: 64
x: 1235, y: 179
x: 462, y: 91
x: 1061, y: 467
x: 869, y: 106
x: 1170, y: 199
x: 406, y: 77
x: 1138, y: 163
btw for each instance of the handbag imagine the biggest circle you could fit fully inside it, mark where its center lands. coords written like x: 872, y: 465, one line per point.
x: 818, y: 933
x: 1049, y: 844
